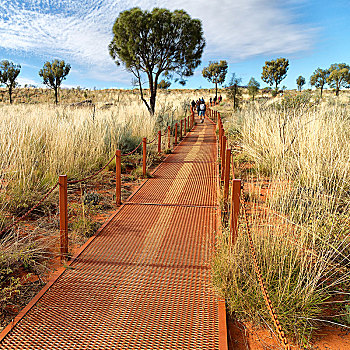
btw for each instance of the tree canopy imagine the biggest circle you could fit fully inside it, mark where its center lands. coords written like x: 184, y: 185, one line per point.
x: 155, y: 43
x: 275, y: 71
x: 300, y: 82
x: 319, y: 78
x: 8, y: 75
x: 53, y: 73
x: 253, y: 87
x: 216, y: 73
x: 164, y: 84
x: 339, y: 76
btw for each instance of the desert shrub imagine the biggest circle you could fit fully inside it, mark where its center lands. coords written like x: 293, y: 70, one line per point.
x: 129, y: 142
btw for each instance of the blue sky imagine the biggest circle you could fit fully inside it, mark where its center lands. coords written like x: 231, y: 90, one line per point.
x: 246, y: 33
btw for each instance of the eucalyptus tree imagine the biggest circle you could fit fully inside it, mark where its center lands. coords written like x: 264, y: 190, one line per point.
x: 216, y: 73
x: 157, y: 43
x: 8, y: 75
x: 234, y: 91
x: 339, y: 76
x: 275, y: 71
x: 253, y: 87
x: 53, y: 73
x: 300, y: 82
x: 164, y: 84
x: 319, y: 78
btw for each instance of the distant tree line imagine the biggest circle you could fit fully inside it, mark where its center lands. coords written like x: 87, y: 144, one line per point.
x: 160, y: 44
x: 52, y: 73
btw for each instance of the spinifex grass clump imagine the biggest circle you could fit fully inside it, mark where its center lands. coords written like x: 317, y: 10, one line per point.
x: 20, y: 255
x: 300, y: 149
x: 288, y: 274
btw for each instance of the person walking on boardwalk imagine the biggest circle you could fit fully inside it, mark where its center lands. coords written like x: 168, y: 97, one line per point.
x: 210, y: 100
x: 202, y: 108
x: 197, y: 106
x: 193, y: 105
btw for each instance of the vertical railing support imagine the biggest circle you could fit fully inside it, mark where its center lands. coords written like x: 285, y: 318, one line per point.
x: 144, y: 154
x: 227, y: 175
x: 63, y: 208
x: 188, y: 122
x: 235, y: 200
x: 185, y: 127
x: 175, y: 134
x: 223, y: 153
x: 159, y: 141
x: 181, y: 125
x: 169, y: 137
x: 118, y: 177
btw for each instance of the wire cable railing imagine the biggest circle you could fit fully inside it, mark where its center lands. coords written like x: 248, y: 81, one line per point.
x: 22, y: 217
x: 235, y: 203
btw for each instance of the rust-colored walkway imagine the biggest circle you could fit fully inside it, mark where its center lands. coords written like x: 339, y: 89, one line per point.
x: 144, y: 281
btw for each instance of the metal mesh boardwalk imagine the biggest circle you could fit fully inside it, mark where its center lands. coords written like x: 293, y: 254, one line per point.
x: 144, y: 281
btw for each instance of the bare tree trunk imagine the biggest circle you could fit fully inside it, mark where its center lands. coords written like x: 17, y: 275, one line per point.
x: 10, y: 93
x: 216, y: 91
x: 137, y: 75
x: 152, y: 101
x: 56, y: 95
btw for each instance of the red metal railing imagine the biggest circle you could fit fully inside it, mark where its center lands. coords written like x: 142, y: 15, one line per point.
x: 225, y: 158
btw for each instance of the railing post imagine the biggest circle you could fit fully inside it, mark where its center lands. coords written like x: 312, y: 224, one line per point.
x: 221, y: 134
x: 235, y: 199
x: 188, y: 122
x: 169, y: 137
x: 159, y: 141
x: 144, y: 153
x: 181, y: 129
x: 175, y: 134
x: 227, y: 175
x: 223, y: 152
x: 118, y: 177
x: 63, y: 208
x: 185, y: 127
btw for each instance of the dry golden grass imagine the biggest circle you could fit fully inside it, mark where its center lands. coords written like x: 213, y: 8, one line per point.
x: 40, y: 141
x: 301, y: 232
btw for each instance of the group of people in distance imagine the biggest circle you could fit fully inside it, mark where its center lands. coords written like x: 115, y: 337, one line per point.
x: 201, y: 107
x: 213, y: 101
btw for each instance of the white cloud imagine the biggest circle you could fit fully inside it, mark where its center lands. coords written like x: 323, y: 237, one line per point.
x: 239, y: 29
x: 27, y: 81
x: 79, y: 31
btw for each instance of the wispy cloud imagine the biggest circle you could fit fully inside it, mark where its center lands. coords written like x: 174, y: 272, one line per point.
x: 79, y: 31
x: 27, y: 81
x: 240, y: 29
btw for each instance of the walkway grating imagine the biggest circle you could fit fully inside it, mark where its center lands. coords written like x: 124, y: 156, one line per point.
x: 144, y: 281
